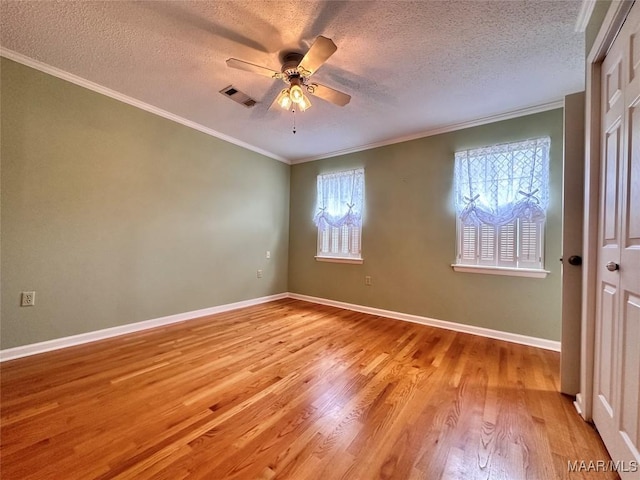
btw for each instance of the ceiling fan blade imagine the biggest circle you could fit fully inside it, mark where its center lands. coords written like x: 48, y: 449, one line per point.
x: 275, y: 105
x: 329, y: 94
x: 250, y: 67
x: 319, y: 53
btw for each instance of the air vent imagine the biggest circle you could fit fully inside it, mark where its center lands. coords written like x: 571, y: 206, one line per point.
x: 238, y: 96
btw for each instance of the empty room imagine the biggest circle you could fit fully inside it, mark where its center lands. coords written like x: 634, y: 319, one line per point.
x: 317, y: 240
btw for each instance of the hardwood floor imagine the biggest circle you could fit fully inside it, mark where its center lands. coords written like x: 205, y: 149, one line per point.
x: 292, y: 390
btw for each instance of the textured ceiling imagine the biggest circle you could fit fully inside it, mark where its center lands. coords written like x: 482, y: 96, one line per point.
x: 410, y: 67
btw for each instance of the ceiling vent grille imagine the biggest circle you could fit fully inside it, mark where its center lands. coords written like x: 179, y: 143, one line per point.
x: 238, y: 96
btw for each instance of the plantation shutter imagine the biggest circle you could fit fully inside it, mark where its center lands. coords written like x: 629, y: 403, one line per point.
x: 530, y: 243
x: 507, y: 245
x: 469, y: 242
x: 487, y: 244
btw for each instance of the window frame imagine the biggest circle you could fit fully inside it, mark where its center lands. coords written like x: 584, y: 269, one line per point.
x: 473, y: 255
x: 344, y: 242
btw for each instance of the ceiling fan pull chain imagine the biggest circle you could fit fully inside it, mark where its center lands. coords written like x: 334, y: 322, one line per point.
x: 294, y: 121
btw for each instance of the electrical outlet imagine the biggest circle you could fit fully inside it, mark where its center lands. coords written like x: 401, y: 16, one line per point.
x: 28, y: 299
x: 259, y: 274
x: 268, y: 254
x: 367, y: 280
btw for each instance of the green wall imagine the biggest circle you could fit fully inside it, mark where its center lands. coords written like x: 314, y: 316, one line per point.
x: 114, y: 215
x: 409, y: 235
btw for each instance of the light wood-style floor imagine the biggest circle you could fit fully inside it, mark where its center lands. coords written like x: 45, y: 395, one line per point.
x: 292, y: 390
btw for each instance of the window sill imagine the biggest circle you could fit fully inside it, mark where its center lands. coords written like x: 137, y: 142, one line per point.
x: 340, y: 260
x: 513, y: 272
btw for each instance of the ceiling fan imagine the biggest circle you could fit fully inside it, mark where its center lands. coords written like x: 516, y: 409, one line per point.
x: 295, y: 72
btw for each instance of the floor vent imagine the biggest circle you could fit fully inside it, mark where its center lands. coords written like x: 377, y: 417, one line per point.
x: 238, y: 96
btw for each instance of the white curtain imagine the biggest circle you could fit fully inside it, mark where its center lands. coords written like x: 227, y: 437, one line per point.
x: 340, y: 199
x: 497, y: 184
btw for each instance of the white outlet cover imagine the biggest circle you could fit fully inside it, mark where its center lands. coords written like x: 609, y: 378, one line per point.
x: 28, y: 299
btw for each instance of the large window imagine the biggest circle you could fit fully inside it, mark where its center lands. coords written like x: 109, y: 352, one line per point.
x: 340, y: 198
x: 502, y: 194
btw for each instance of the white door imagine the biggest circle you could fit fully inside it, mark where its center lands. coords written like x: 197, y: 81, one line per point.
x: 616, y: 403
x: 572, y: 208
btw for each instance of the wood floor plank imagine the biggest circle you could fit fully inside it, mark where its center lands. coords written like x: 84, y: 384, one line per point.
x: 291, y: 390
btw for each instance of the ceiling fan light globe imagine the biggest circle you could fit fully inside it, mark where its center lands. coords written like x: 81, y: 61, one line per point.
x: 305, y: 103
x: 296, y: 94
x: 285, y: 103
x: 284, y: 100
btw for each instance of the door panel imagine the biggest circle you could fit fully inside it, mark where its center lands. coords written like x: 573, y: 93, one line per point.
x: 610, y: 218
x: 613, y: 83
x: 634, y: 55
x: 630, y: 391
x: 605, y: 361
x: 633, y: 181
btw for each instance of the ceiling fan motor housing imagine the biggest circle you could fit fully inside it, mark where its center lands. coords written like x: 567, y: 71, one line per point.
x: 290, y: 62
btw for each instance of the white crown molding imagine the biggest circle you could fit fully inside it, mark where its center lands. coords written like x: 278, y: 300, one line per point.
x: 458, y: 327
x: 584, y: 15
x: 437, y: 131
x: 55, y: 344
x: 70, y: 77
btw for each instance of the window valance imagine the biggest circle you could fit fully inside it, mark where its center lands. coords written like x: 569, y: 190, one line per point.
x: 497, y: 184
x: 340, y: 199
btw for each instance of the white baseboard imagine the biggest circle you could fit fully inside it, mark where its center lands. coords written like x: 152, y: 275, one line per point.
x: 55, y: 344
x: 580, y: 407
x: 458, y: 327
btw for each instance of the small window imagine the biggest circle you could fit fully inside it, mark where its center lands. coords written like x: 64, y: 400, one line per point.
x: 502, y: 194
x: 340, y: 198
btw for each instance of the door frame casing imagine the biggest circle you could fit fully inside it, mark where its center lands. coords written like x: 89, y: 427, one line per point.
x: 609, y: 29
